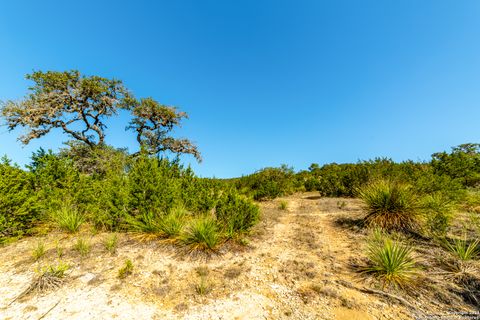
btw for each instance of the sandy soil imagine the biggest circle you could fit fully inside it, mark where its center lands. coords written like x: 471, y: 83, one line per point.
x: 296, y: 265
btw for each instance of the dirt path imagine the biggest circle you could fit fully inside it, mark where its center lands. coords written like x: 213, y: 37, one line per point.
x: 290, y: 270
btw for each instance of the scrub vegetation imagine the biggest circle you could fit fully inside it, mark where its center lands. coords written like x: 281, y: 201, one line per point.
x: 89, y: 187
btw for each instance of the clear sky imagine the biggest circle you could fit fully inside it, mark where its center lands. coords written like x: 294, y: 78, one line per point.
x: 266, y: 82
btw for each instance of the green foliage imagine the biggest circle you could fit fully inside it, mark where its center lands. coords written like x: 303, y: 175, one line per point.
x: 148, y: 222
x: 154, y: 185
x: 391, y: 262
x: 110, y: 243
x: 83, y: 247
x: 438, y: 210
x: 126, y: 270
x: 202, y: 234
x: 283, y: 205
x: 338, y: 180
x: 236, y: 213
x: 390, y: 205
x: 59, y: 249
x: 19, y: 210
x: 68, y: 218
x: 49, y: 277
x: 115, y: 191
x: 204, y: 286
x: 463, y: 249
x: 463, y: 163
x: 39, y: 251
x: 57, y: 271
x: 171, y: 225
x: 269, y: 183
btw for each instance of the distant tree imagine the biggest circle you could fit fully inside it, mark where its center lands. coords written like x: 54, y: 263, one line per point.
x: 462, y: 163
x: 76, y: 104
x: 153, y: 122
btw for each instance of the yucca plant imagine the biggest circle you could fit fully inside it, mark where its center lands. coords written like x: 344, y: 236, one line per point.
x: 68, y: 218
x: 171, y: 225
x: 202, y: 234
x: 463, y: 249
x: 146, y: 223
x: 390, y: 205
x: 391, y: 262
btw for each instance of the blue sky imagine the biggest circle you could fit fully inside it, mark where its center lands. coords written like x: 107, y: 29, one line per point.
x: 266, y: 82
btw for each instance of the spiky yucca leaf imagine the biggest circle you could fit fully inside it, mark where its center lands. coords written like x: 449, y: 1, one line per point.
x: 390, y: 205
x: 391, y: 262
x: 462, y: 249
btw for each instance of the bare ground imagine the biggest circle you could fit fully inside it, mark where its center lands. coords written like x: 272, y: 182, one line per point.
x: 298, y: 264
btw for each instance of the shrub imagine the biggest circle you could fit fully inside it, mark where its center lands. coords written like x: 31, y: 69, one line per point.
x: 154, y: 185
x: 391, y: 262
x: 463, y: 249
x: 171, y: 225
x: 19, y: 209
x: 202, y: 234
x: 438, y: 210
x: 462, y: 163
x: 236, y: 213
x: 269, y: 183
x: 126, y: 270
x: 68, y: 218
x: 391, y: 206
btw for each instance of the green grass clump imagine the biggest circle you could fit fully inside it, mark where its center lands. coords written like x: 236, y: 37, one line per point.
x: 283, y: 205
x: 68, y: 219
x: 203, y: 286
x: 59, y: 249
x: 390, y: 205
x: 39, y: 251
x: 126, y: 270
x: 391, y: 262
x: 171, y: 225
x: 49, y: 277
x: 83, y: 247
x: 463, y: 249
x: 110, y: 243
x: 146, y: 223
x: 202, y: 234
x: 341, y: 205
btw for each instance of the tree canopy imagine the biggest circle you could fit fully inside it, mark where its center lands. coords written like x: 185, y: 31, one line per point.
x: 80, y: 105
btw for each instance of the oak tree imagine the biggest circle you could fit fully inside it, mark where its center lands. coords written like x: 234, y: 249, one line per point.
x: 80, y: 105
x: 153, y: 122
x: 76, y: 104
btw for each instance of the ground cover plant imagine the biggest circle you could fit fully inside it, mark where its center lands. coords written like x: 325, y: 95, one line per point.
x: 390, y: 205
x: 391, y: 261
